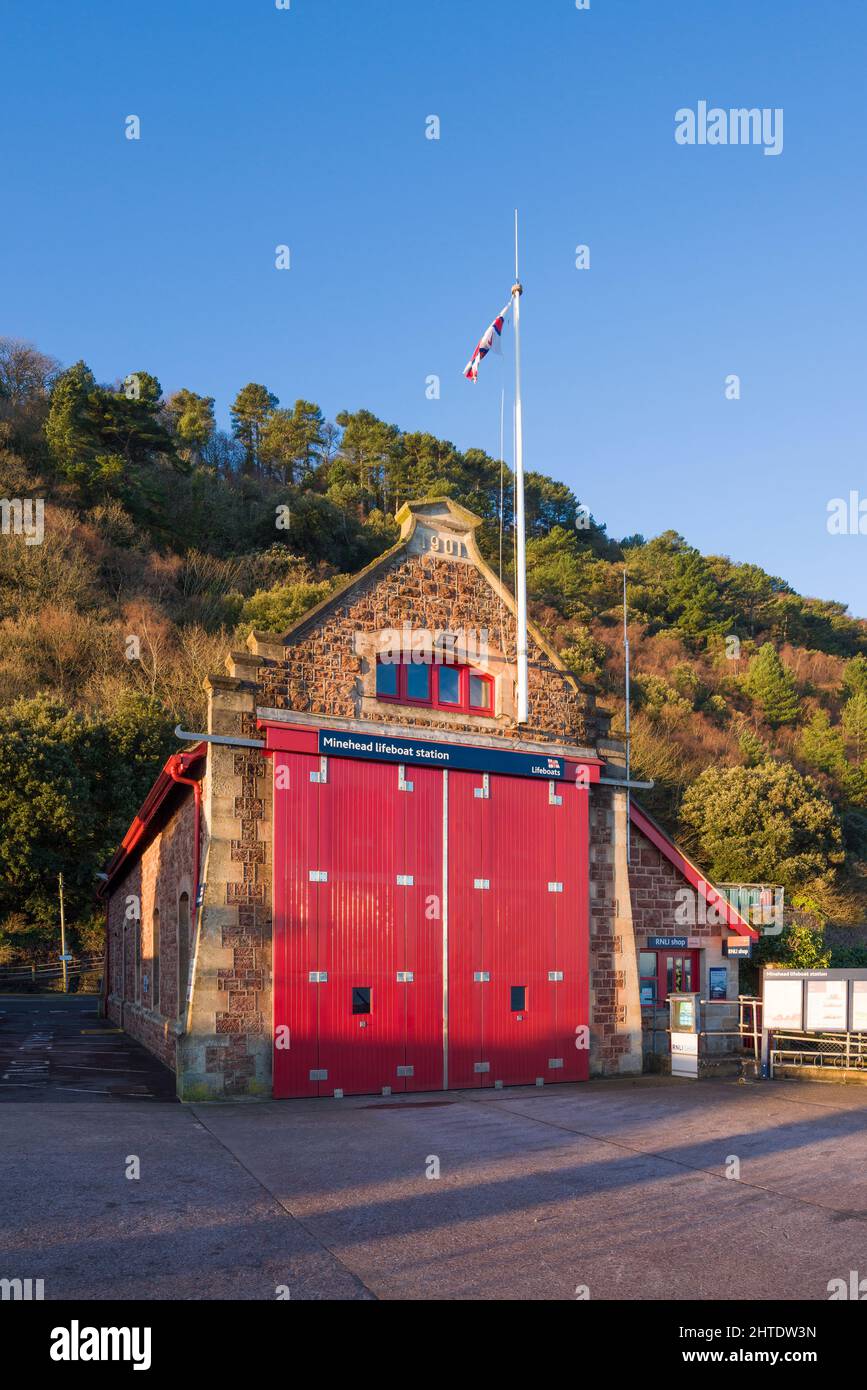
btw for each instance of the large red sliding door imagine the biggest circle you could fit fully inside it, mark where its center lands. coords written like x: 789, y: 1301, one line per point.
x: 518, y: 987
x: 357, y: 927
x: 571, y: 935
x: 370, y: 895
x: 295, y: 927
x: 468, y: 864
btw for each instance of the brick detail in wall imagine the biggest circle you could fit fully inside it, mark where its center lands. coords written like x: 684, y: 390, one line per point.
x: 244, y: 984
x: 607, y: 1012
x: 322, y: 672
x: 654, y: 884
x: 155, y: 882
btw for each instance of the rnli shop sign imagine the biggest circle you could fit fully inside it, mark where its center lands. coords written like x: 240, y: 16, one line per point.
x: 457, y: 757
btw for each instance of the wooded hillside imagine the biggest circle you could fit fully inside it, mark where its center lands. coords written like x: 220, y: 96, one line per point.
x: 166, y: 539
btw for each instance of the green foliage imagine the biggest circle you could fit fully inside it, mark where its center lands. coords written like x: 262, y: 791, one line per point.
x: 192, y: 420
x: 672, y: 586
x: 275, y: 610
x: 772, y: 686
x: 564, y: 574
x: 687, y: 682
x: 855, y: 722
x: 753, y: 749
x: 855, y: 676
x: 848, y: 957
x: 822, y: 746
x: 251, y: 410
x: 375, y: 459
x: 818, y: 624
x: 716, y: 706
x: 655, y: 695
x: 70, y: 428
x: 804, y: 947
x: 69, y: 786
x: 292, y: 442
x: 749, y: 593
x: 104, y: 440
x: 800, y: 946
x: 585, y: 655
x: 766, y: 823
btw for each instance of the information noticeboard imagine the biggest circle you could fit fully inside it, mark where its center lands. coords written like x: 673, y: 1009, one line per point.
x: 827, y: 1006
x: 718, y: 987
x: 858, y: 1006
x: 783, y: 1003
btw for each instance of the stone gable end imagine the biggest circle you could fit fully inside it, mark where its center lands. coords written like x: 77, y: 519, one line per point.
x: 433, y: 586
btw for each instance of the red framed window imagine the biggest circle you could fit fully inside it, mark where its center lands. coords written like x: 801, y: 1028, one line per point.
x: 667, y: 972
x: 441, y: 686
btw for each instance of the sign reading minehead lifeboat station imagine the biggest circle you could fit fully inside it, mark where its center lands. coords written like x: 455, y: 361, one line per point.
x: 369, y: 876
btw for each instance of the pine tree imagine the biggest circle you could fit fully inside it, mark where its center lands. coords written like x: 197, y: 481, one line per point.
x: 292, y: 441
x: 855, y: 722
x: 772, y: 686
x: 192, y: 419
x: 368, y: 453
x: 98, y: 437
x: 69, y: 428
x: 753, y: 749
x: 251, y: 411
x: 821, y: 745
x: 855, y: 675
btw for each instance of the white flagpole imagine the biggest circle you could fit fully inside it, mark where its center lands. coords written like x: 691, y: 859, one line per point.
x: 521, y: 577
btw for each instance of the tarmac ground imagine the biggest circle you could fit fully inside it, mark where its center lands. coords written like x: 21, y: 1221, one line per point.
x: 652, y: 1188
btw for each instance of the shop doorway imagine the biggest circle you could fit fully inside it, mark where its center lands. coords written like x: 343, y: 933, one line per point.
x: 668, y: 972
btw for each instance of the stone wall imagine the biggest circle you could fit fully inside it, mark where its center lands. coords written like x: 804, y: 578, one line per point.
x: 655, y: 885
x: 615, y: 1022
x: 227, y: 1050
x: 322, y: 671
x: 155, y: 882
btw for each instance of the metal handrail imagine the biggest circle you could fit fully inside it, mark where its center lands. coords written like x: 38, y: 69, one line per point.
x: 844, y: 1050
x: 744, y: 1030
x: 747, y: 1028
x: 49, y: 970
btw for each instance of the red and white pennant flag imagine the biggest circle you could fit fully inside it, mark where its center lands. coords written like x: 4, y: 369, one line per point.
x: 489, y: 342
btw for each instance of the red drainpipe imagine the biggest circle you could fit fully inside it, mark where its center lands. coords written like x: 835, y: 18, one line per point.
x: 174, y: 767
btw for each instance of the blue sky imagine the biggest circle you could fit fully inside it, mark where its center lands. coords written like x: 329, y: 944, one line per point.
x: 307, y: 127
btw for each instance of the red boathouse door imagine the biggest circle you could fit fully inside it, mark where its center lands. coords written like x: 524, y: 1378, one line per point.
x: 430, y: 928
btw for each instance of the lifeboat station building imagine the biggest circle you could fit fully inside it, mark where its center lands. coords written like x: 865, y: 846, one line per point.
x: 366, y: 878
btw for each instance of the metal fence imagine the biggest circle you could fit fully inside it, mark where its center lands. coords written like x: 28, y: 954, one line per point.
x: 760, y: 904
x: 52, y: 970
x: 840, y: 1051
x: 748, y: 1010
x: 744, y: 1014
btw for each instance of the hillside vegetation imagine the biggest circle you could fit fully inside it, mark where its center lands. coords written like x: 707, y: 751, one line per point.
x: 167, y: 539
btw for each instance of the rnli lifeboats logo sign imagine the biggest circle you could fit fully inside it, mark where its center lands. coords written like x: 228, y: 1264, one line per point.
x: 453, y: 756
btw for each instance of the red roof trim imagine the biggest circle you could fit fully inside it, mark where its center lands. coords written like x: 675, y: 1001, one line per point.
x: 147, y: 812
x: 694, y: 876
